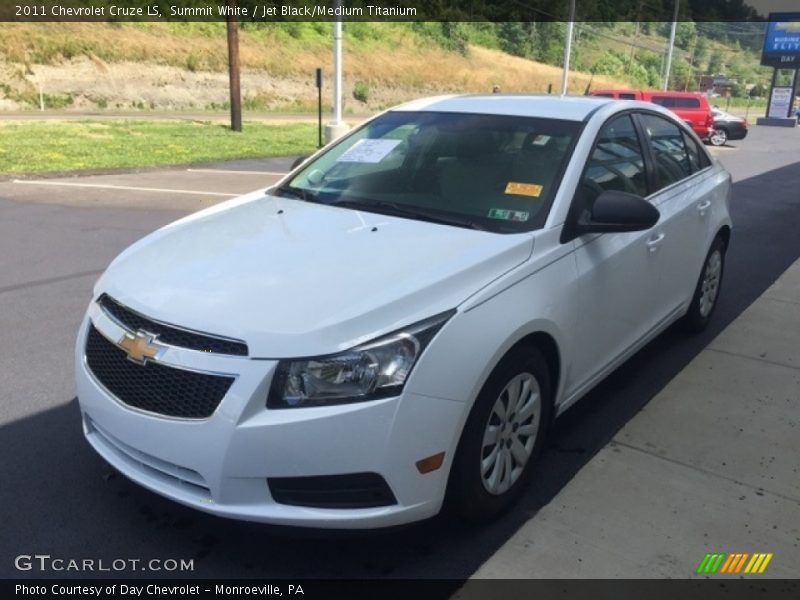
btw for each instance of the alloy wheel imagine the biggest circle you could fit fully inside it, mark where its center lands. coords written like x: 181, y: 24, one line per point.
x: 719, y: 137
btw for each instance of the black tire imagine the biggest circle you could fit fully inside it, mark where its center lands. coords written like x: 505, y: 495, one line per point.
x: 467, y: 493
x: 718, y: 137
x: 699, y: 314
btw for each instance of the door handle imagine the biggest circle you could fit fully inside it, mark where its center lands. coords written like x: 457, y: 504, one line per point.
x: 653, y: 242
x: 703, y: 206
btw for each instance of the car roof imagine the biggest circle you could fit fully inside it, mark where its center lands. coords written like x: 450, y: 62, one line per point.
x: 569, y: 108
x: 647, y: 92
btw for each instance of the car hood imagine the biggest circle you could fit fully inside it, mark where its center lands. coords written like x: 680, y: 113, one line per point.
x: 293, y: 278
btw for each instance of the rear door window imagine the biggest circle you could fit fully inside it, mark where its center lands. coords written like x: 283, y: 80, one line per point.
x: 665, y: 101
x: 627, y: 96
x: 698, y: 159
x: 687, y: 103
x: 672, y: 162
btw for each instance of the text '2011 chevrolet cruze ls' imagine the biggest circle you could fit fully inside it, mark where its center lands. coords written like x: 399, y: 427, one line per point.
x: 400, y: 319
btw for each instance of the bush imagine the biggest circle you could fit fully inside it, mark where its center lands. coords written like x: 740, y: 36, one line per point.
x: 193, y: 62
x: 608, y: 64
x: 361, y: 91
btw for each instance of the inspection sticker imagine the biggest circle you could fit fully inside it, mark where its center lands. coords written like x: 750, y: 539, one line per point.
x: 508, y: 215
x: 369, y: 151
x: 524, y: 189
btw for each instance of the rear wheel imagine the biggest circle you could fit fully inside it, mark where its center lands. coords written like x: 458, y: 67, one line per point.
x: 706, y: 292
x: 718, y: 137
x: 502, y: 437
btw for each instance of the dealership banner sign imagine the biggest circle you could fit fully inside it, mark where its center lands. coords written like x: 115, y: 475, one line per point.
x: 782, y: 41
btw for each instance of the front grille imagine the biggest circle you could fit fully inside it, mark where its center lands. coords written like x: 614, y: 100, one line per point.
x: 153, y: 387
x: 354, y: 490
x: 168, y: 334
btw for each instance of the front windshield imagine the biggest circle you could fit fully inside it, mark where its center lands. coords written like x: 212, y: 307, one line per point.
x: 497, y: 173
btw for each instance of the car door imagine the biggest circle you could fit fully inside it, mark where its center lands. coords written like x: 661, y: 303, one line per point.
x: 681, y: 193
x: 618, y: 273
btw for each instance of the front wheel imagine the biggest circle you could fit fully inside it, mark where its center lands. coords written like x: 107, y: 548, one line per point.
x: 718, y: 137
x: 706, y: 293
x: 502, y: 437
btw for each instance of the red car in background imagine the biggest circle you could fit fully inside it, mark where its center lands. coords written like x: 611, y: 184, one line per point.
x: 689, y: 106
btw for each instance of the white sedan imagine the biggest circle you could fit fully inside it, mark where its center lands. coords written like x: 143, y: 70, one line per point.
x: 401, y: 318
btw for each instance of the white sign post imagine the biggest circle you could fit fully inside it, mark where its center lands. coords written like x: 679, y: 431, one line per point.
x: 780, y: 102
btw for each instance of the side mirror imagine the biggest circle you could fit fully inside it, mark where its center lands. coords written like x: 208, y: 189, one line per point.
x: 615, y: 211
x: 298, y: 161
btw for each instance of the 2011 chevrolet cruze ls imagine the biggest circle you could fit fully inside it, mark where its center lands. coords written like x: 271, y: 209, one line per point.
x: 401, y: 318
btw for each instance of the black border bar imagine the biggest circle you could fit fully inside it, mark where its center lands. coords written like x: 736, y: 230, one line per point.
x: 717, y: 588
x: 264, y: 11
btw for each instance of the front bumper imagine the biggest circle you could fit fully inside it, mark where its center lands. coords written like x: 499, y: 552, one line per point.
x: 220, y: 465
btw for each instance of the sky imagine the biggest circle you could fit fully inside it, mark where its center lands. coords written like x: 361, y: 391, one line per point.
x: 768, y: 6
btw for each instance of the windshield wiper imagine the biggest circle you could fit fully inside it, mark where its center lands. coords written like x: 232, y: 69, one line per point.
x: 299, y: 193
x: 415, y: 212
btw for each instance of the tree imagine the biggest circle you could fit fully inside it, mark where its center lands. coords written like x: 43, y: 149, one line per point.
x: 758, y: 90
x: 685, y: 34
x: 549, y: 42
x: 515, y: 39
x: 682, y: 76
x: 715, y: 62
x: 700, y: 54
x: 737, y: 90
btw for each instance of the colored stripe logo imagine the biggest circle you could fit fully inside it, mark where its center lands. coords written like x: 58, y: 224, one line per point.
x: 738, y: 562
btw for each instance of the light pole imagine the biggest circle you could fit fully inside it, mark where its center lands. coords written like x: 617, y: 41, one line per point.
x: 671, y: 45
x: 336, y: 128
x: 568, y: 47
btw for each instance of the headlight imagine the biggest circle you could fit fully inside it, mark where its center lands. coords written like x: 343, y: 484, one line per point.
x: 374, y: 370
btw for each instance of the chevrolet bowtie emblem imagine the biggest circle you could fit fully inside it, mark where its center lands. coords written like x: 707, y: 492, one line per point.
x: 140, y: 347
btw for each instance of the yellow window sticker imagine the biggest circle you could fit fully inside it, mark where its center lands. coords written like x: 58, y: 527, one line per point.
x: 524, y: 189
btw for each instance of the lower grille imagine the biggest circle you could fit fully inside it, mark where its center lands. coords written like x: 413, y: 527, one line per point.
x: 179, y: 478
x: 354, y: 490
x: 153, y: 387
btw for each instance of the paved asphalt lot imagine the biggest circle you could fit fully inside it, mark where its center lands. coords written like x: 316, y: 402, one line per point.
x: 59, y: 498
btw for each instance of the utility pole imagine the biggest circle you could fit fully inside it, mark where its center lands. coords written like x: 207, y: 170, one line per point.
x: 671, y: 45
x: 568, y: 47
x: 336, y: 128
x: 635, y: 35
x: 233, y: 66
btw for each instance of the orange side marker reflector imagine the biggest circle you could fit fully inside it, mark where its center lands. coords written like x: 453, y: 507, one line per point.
x: 426, y: 465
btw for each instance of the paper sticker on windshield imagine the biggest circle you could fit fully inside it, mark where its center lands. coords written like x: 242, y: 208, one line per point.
x: 540, y: 140
x: 508, y: 215
x: 369, y: 151
x: 524, y: 189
